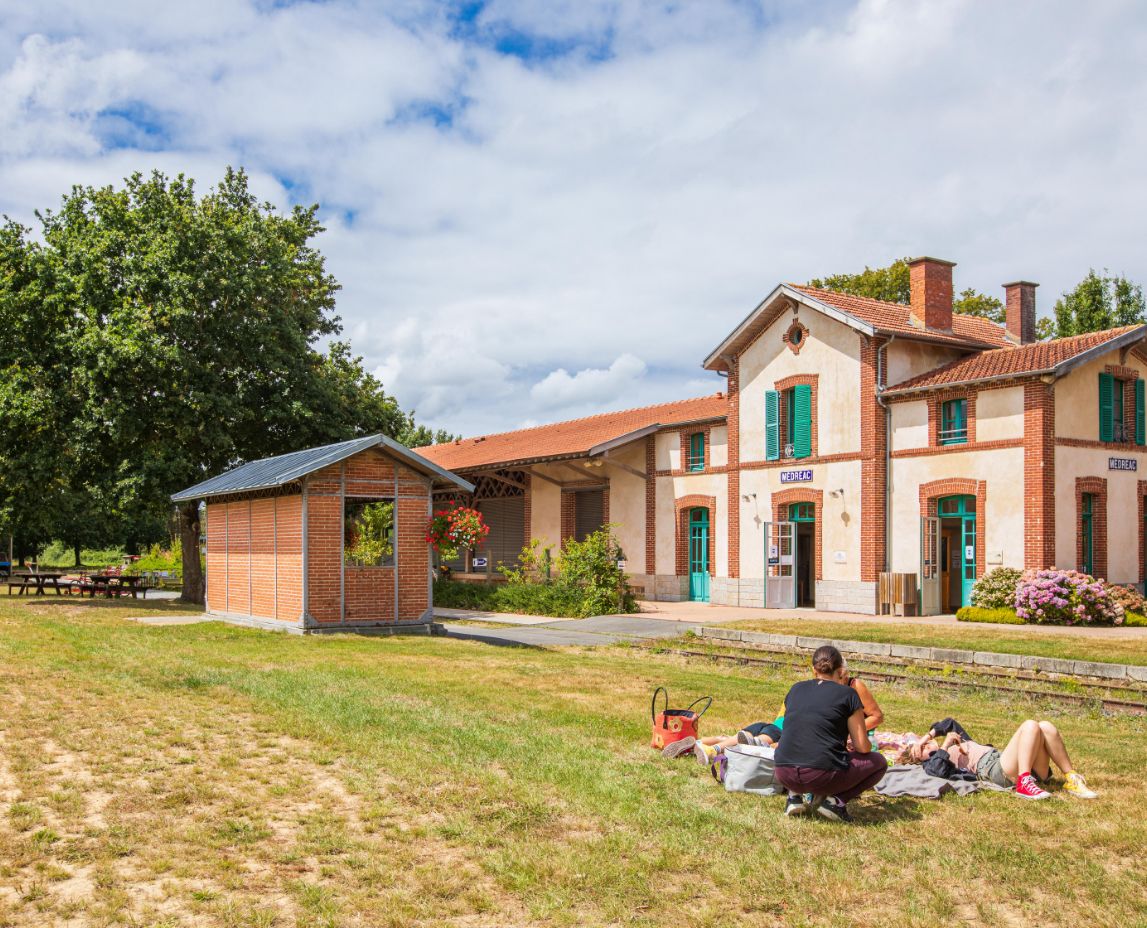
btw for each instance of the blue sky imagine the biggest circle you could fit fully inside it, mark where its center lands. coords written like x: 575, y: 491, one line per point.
x: 541, y: 210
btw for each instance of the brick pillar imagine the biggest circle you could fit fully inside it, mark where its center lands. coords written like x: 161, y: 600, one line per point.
x: 733, y: 478
x: 873, y: 471
x: 1039, y: 475
x: 650, y: 505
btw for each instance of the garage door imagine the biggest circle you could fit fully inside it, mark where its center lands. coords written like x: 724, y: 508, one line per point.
x: 507, y: 521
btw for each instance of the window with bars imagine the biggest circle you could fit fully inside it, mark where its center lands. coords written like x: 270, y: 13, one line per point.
x: 953, y: 422
x: 696, y: 457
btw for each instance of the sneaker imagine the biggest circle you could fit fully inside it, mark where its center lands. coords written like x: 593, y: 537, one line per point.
x: 834, y: 809
x: 743, y: 737
x: 705, y: 753
x: 1027, y: 788
x: 795, y: 805
x: 679, y: 748
x: 1076, y: 785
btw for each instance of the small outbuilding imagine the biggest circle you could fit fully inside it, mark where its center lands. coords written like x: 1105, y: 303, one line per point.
x: 327, y: 539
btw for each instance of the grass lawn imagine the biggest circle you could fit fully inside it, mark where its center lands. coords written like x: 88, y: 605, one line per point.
x: 205, y: 775
x: 970, y: 636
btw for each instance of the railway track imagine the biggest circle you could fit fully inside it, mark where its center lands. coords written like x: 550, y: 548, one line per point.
x: 1108, y: 702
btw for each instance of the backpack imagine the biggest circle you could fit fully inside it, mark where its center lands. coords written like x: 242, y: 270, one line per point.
x: 750, y: 769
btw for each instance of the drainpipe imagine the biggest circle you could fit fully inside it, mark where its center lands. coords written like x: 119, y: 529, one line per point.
x: 881, y: 375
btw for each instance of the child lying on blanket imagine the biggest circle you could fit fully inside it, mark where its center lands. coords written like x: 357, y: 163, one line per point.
x: 1027, y: 757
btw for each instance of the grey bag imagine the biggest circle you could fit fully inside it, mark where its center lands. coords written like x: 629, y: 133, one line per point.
x: 750, y: 769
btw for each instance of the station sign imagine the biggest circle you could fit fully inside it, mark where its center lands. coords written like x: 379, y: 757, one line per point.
x: 803, y: 475
x: 1122, y: 464
x: 479, y: 562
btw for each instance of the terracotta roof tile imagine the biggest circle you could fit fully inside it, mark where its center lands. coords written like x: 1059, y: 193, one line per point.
x: 568, y: 439
x: 893, y: 317
x: 1026, y: 359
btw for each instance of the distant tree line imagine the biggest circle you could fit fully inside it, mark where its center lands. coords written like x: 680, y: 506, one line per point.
x: 151, y: 337
x: 1097, y: 302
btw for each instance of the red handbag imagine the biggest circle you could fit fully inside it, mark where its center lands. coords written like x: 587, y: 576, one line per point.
x: 671, y: 725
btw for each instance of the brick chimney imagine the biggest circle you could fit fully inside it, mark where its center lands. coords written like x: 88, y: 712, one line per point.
x: 931, y: 281
x: 1021, y: 311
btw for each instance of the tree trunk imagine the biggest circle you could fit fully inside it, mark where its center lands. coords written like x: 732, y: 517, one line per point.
x: 189, y: 542
x: 76, y: 550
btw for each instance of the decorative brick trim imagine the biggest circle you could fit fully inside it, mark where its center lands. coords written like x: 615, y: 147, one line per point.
x: 782, y: 499
x: 708, y: 471
x: 733, y: 443
x: 682, y: 507
x: 1142, y: 498
x: 787, y: 338
x: 787, y: 383
x: 873, y: 472
x: 687, y: 434
x: 1103, y: 445
x: 802, y: 462
x: 650, y: 506
x: 1097, y: 486
x: 1120, y: 372
x: 936, y: 403
x: 960, y: 486
x: 1039, y: 475
x: 994, y: 445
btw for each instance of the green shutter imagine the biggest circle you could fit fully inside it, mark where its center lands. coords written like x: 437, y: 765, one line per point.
x: 772, y: 425
x: 1140, y: 430
x: 1106, y: 404
x: 802, y: 421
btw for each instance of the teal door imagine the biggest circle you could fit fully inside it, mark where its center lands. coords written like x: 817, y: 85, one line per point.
x: 699, y: 555
x: 963, y: 508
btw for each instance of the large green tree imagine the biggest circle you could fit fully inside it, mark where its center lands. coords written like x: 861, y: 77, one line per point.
x: 892, y: 284
x: 186, y: 336
x: 1099, y: 302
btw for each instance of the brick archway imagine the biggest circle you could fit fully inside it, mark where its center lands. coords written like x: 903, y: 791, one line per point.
x: 961, y: 486
x: 682, y: 507
x: 782, y: 499
x: 1098, y: 487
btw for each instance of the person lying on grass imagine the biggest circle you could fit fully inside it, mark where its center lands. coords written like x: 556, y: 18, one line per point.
x: 1023, y: 763
x: 768, y: 734
x: 821, y: 716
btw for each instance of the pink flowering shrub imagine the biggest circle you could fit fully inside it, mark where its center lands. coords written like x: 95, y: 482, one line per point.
x: 1066, y: 597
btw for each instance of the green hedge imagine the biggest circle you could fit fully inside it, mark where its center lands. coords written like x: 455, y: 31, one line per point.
x: 1135, y: 619
x: 525, y: 598
x: 975, y: 614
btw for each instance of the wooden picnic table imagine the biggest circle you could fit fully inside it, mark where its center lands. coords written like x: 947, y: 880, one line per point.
x: 114, y: 585
x: 39, y: 582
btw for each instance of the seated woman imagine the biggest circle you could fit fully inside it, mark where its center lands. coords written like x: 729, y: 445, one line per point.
x: 1026, y: 759
x: 821, y: 716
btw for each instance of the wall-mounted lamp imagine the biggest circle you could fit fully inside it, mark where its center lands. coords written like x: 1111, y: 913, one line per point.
x: 836, y: 494
x: 749, y: 497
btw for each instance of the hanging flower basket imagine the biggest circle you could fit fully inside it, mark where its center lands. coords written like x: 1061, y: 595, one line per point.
x: 453, y: 529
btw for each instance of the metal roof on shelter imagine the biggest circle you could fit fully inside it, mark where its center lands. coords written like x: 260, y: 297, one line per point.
x: 287, y: 468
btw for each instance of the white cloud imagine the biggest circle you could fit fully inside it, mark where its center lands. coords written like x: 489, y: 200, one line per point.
x: 578, y: 212
x: 558, y: 390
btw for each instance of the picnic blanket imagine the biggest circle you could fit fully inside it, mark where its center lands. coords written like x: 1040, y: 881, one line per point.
x: 914, y: 780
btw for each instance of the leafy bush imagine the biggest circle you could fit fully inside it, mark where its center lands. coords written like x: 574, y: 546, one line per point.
x: 1128, y: 597
x: 157, y: 558
x: 587, y: 582
x: 1066, y: 597
x: 1135, y: 619
x: 997, y: 588
x: 977, y: 614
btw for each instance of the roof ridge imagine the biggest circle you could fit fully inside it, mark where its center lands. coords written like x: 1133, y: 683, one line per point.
x: 889, y: 303
x: 597, y: 415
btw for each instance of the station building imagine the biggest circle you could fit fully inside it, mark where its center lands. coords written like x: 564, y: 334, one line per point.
x: 855, y: 438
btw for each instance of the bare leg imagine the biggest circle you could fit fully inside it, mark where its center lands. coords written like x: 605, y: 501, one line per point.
x: 720, y: 741
x: 1055, y: 747
x: 1023, y: 750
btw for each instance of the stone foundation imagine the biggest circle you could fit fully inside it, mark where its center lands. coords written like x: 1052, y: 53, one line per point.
x: 846, y: 596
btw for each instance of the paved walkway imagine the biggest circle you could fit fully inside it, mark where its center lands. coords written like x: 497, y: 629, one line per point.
x: 543, y: 632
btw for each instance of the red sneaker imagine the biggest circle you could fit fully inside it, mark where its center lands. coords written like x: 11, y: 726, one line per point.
x: 1028, y: 788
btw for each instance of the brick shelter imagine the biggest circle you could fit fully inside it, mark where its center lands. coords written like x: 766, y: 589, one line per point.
x: 326, y: 539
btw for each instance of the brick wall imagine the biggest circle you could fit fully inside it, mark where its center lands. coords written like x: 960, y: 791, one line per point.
x: 238, y: 557
x: 262, y: 557
x: 873, y: 472
x: 1039, y: 475
x: 289, y: 557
